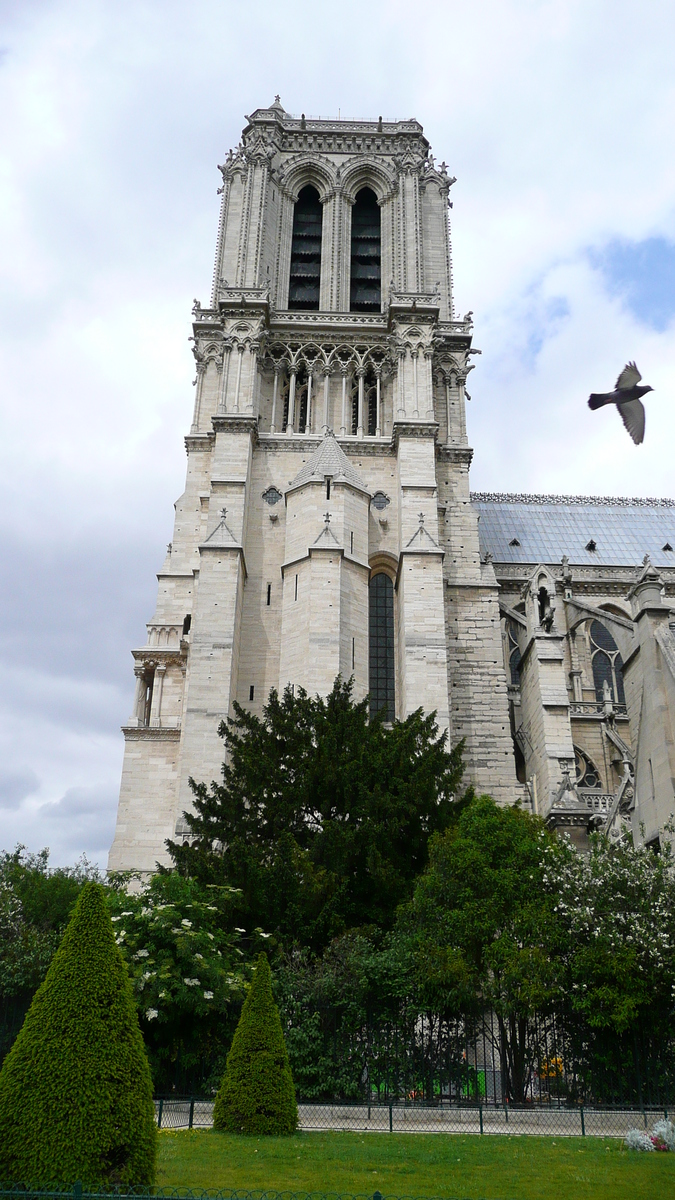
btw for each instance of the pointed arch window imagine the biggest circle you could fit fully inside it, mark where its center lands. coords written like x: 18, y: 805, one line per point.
x: 366, y: 265
x: 381, y: 681
x: 607, y: 663
x: 514, y: 654
x: 587, y: 774
x: 304, y: 288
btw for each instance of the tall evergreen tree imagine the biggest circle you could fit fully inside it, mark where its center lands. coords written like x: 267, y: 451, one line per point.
x: 75, y: 1089
x: 257, y: 1093
x: 326, y: 814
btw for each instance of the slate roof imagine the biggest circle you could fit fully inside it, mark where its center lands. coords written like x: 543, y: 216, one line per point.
x: 547, y: 527
x: 329, y: 459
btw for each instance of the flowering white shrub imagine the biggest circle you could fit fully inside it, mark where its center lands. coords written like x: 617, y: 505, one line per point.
x: 665, y: 1132
x: 637, y: 1139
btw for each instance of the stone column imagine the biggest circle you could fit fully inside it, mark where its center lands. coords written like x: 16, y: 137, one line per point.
x: 326, y: 399
x: 290, y: 428
x: 138, y: 711
x: 429, y: 382
x: 158, y: 687
x: 224, y: 379
x: 199, y: 383
x: 359, y: 417
x: 275, y: 396
x: 237, y: 387
x: 378, y: 411
x: 343, y: 425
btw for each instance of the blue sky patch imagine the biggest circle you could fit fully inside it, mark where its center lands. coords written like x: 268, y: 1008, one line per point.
x: 643, y: 274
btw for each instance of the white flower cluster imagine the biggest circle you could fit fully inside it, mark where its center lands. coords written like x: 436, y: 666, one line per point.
x: 663, y: 1132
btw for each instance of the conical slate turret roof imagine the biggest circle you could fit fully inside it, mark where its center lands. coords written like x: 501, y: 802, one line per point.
x: 329, y: 459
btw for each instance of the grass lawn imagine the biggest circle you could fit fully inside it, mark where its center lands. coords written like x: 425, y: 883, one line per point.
x: 399, y: 1164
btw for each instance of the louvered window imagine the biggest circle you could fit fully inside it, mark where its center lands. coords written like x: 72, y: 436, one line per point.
x: 366, y: 270
x: 303, y: 292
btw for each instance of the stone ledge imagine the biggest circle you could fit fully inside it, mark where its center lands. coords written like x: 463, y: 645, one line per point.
x: 146, y: 733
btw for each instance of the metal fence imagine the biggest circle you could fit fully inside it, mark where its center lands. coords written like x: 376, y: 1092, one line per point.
x: 536, y: 1120
x: 484, y: 1060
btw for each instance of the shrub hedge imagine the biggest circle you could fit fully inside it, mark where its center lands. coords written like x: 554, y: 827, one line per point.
x: 75, y: 1089
x: 257, y: 1094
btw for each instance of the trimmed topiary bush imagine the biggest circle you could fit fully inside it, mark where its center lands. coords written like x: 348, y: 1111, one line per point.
x: 257, y: 1094
x: 75, y: 1089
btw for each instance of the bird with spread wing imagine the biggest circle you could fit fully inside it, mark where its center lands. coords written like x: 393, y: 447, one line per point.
x: 626, y: 396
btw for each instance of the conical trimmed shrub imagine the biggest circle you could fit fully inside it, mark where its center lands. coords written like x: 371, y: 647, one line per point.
x: 257, y: 1094
x: 75, y: 1089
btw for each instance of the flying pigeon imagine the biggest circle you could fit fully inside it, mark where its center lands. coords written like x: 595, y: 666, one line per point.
x: 626, y: 396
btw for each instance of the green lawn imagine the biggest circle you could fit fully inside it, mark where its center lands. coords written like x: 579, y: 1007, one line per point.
x: 495, y: 1168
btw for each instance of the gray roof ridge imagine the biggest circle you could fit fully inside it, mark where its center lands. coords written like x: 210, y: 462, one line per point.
x: 550, y: 498
x: 328, y: 459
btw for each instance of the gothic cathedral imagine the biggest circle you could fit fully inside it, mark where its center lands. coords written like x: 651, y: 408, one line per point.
x: 327, y: 526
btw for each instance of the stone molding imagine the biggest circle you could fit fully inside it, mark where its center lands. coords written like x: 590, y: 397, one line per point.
x: 199, y: 442
x: 462, y: 455
x: 414, y: 429
x: 236, y: 423
x: 154, y: 733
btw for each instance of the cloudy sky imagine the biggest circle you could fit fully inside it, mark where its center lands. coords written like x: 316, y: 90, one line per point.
x: 556, y: 116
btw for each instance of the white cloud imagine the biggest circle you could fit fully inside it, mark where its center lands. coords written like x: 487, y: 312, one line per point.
x: 556, y: 117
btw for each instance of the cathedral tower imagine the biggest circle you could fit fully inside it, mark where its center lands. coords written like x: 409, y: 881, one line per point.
x: 326, y: 524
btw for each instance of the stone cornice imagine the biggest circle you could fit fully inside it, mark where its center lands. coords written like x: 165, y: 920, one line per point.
x: 456, y: 454
x: 353, y: 447
x: 413, y: 429
x: 364, y: 325
x: 236, y: 423
x: 145, y: 733
x: 158, y: 652
x: 200, y: 442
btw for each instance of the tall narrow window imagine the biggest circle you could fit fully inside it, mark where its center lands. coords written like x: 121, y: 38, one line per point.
x: 306, y: 251
x: 370, y: 402
x: 366, y: 273
x: 381, y: 646
x: 301, y: 394
x: 607, y: 664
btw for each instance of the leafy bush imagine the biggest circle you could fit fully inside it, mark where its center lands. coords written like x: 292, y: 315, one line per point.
x: 257, y: 1093
x: 186, y: 973
x: 75, y: 1089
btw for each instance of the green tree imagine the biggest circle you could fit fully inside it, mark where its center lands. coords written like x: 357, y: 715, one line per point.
x: 35, y: 905
x: 483, y: 927
x: 187, y: 974
x: 326, y: 815
x: 257, y: 1093
x: 75, y: 1089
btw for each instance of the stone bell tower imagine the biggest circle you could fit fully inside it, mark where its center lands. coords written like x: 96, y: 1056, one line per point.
x: 326, y: 525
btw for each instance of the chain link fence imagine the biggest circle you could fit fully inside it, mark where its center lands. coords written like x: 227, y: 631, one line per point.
x: 536, y: 1120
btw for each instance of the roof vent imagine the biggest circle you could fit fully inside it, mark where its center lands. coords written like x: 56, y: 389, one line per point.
x: 591, y: 545
x: 514, y: 542
x: 667, y: 547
